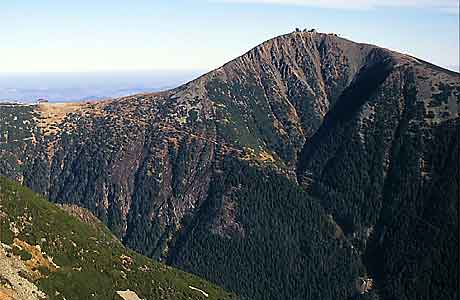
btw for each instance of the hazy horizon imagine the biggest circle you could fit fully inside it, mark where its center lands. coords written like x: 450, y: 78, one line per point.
x: 56, y: 36
x: 67, y: 51
x: 68, y: 86
x: 81, y: 86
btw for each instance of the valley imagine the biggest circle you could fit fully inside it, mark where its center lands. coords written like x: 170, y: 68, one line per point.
x: 288, y: 173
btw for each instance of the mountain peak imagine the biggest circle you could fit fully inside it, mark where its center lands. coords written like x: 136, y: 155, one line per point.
x: 199, y: 175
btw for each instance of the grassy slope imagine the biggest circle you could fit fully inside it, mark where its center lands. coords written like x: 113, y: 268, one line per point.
x: 75, y: 245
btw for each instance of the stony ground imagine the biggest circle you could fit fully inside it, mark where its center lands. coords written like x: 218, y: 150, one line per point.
x: 13, y: 284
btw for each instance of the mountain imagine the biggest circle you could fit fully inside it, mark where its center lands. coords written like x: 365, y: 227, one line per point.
x: 289, y: 173
x: 385, y: 163
x: 65, y: 252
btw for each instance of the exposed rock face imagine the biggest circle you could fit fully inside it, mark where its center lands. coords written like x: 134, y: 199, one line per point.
x: 372, y: 133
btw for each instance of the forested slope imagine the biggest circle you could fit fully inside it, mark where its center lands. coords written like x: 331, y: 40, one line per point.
x: 386, y: 165
x: 259, y: 233
x: 253, y: 161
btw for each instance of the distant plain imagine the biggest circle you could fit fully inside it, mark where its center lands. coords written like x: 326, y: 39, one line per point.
x: 68, y: 87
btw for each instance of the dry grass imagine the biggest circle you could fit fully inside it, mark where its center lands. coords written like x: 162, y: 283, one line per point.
x: 37, y: 260
x: 261, y: 156
x: 52, y: 114
x: 6, y: 294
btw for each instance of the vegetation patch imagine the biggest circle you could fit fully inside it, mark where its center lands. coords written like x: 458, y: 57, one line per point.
x: 76, y: 260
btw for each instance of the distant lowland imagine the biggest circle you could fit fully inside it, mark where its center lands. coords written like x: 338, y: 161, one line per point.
x: 72, y: 87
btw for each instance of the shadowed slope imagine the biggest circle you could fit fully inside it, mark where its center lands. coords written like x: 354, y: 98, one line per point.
x: 366, y: 130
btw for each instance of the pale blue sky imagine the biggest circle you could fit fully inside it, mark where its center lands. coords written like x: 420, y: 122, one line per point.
x: 95, y: 35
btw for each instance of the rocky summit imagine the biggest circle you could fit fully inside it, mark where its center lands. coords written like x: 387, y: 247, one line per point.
x: 292, y: 172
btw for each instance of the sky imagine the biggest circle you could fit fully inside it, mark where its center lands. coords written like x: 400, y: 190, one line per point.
x: 119, y: 35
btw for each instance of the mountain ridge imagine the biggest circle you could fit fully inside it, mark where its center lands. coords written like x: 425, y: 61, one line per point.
x: 333, y: 117
x: 82, y: 260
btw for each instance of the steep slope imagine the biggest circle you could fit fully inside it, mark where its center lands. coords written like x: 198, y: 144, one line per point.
x: 260, y: 234
x: 363, y: 129
x: 47, y: 253
x: 153, y: 153
x: 386, y: 166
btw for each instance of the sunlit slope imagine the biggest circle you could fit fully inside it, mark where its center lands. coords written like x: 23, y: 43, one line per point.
x: 46, y: 252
